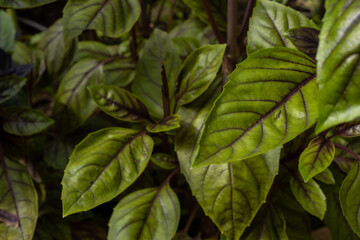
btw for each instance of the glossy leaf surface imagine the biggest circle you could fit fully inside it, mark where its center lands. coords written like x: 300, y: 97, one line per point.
x: 18, y: 4
x: 229, y: 193
x: 338, y: 62
x: 198, y: 72
x: 309, y: 195
x: 269, y: 23
x: 119, y: 103
x: 7, y: 31
x: 350, y: 197
x: 269, y: 100
x: 18, y: 197
x: 168, y: 123
x: 151, y: 214
x: 10, y: 86
x: 305, y: 40
x: 325, y: 176
x: 111, y: 17
x: 73, y: 104
x: 104, y: 164
x: 25, y: 122
x: 159, y: 48
x: 316, y: 157
x: 163, y: 160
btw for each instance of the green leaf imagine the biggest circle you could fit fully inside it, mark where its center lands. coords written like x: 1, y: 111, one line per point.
x: 325, y: 176
x: 110, y: 17
x: 198, y: 72
x: 10, y: 86
x: 119, y: 103
x: 103, y: 165
x: 18, y: 197
x: 159, y: 48
x: 163, y: 160
x: 151, y: 213
x: 25, y: 122
x: 119, y: 72
x: 338, y: 62
x: 309, y: 195
x: 73, y: 104
x: 269, y: 100
x: 270, y: 22
x: 7, y: 31
x: 57, y: 58
x: 350, y: 197
x: 348, y: 130
x: 57, y: 153
x: 95, y: 50
x: 168, y: 123
x: 19, y: 4
x: 316, y: 157
x: 305, y: 40
x: 230, y: 193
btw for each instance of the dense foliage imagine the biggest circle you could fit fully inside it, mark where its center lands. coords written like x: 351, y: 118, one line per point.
x: 135, y: 119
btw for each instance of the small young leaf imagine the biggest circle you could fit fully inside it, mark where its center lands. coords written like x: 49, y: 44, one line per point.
x: 305, y: 39
x: 309, y: 195
x: 103, y: 165
x: 325, y: 176
x: 269, y: 100
x: 338, y: 61
x: 18, y: 197
x: 270, y: 22
x: 350, y: 197
x: 316, y: 157
x: 169, y: 123
x: 198, y: 72
x: 7, y: 31
x: 164, y: 160
x: 119, y: 103
x: 147, y: 214
x: 19, y: 4
x: 10, y: 86
x: 25, y: 122
x: 111, y: 17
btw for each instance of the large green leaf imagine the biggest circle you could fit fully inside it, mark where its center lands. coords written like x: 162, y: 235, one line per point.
x: 269, y: 100
x: 24, y: 122
x: 316, y: 157
x: 148, y: 84
x: 230, y: 193
x: 18, y: 4
x: 147, y: 214
x: 305, y: 40
x: 350, y: 197
x: 57, y: 58
x: 18, y: 197
x: 111, y: 17
x: 7, y: 31
x: 270, y: 22
x: 73, y: 104
x: 119, y: 103
x: 10, y: 86
x: 95, y: 50
x: 338, y: 61
x: 104, y: 164
x: 198, y: 72
x: 309, y: 195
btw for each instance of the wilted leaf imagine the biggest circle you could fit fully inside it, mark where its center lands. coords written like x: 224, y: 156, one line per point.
x: 198, y: 72
x: 338, y: 62
x: 316, y: 157
x: 119, y: 103
x: 110, y: 17
x: 164, y: 160
x: 305, y: 40
x: 147, y: 214
x: 10, y: 86
x: 18, y: 4
x: 269, y: 100
x: 325, y: 176
x: 18, y: 197
x: 350, y: 197
x: 309, y: 195
x: 168, y: 123
x: 104, y: 164
x: 24, y: 122
x: 270, y: 22
x: 159, y: 48
x: 7, y: 31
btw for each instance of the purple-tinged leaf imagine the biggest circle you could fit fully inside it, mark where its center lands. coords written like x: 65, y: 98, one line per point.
x: 305, y: 40
x: 168, y: 123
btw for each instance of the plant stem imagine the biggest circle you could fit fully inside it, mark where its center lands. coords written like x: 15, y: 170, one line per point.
x: 245, y: 23
x: 171, y: 15
x: 165, y: 91
x: 347, y: 150
x: 211, y: 19
x: 133, y: 45
x: 232, y: 45
x: 143, y: 19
